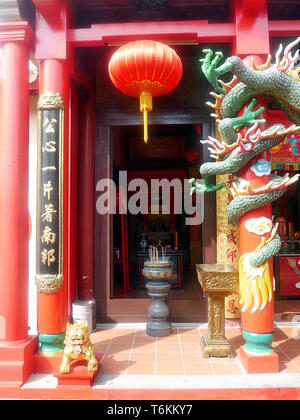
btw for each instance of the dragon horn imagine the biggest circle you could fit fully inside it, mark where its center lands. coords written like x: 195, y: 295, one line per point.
x: 277, y: 56
x: 290, y: 46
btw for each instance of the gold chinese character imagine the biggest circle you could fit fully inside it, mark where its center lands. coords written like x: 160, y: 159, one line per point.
x: 50, y: 125
x: 48, y: 236
x: 48, y: 215
x: 48, y: 256
x: 49, y: 168
x: 47, y: 189
x: 49, y: 146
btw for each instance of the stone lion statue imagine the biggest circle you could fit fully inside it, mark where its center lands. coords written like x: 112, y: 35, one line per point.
x: 78, y: 346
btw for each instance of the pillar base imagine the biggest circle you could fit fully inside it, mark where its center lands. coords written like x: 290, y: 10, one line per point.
x: 17, y: 360
x: 79, y: 375
x: 51, y: 343
x: 259, y: 363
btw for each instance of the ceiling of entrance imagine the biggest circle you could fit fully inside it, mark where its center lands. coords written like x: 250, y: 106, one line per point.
x: 88, y: 12
x: 92, y: 11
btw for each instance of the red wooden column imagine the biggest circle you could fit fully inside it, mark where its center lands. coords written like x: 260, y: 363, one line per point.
x: 14, y: 216
x: 52, y: 22
x: 53, y: 308
x: 14, y: 143
x: 86, y: 199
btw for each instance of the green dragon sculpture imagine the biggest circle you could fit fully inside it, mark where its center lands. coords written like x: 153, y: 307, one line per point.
x: 234, y: 150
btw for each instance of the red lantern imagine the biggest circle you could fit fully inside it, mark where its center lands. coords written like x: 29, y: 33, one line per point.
x: 144, y: 69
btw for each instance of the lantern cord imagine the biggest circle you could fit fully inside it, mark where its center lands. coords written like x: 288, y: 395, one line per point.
x: 145, y: 126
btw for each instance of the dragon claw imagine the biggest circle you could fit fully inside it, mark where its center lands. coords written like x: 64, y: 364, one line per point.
x: 210, y: 69
x: 249, y: 116
x: 207, y: 186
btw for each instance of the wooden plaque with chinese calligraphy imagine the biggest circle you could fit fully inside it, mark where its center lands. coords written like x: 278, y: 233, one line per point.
x: 49, y: 271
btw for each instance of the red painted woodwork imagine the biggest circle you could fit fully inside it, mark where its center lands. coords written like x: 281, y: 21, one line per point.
x: 73, y: 180
x: 53, y: 309
x: 17, y: 361
x: 120, y: 207
x: 86, y: 199
x: 252, y: 7
x: 283, y: 28
x: 52, y: 19
x: 46, y: 363
x: 14, y: 148
x: 289, y: 275
x: 193, y: 31
x: 251, y: 29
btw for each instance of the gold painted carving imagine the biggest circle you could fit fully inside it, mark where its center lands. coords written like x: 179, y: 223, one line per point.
x: 78, y: 346
x: 227, y: 243
x: 221, y: 281
x: 50, y: 100
x: 49, y: 283
x: 217, y: 281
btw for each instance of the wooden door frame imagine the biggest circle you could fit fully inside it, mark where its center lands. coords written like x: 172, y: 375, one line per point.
x: 135, y: 310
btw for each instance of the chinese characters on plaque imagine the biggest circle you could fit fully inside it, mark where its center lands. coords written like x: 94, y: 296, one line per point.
x: 49, y: 276
x: 227, y: 241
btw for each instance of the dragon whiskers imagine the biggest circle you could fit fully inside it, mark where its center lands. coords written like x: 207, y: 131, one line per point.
x: 277, y: 184
x: 245, y: 144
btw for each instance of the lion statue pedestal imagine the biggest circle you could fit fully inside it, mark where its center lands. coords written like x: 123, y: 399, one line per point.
x: 80, y: 363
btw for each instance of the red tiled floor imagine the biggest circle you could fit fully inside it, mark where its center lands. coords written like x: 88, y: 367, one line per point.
x: 168, y: 347
x: 191, y: 347
x: 293, y: 355
x: 132, y: 352
x: 288, y: 367
x: 141, y: 369
x: 169, y: 358
x: 145, y: 348
x: 226, y: 367
x: 195, y: 357
x: 190, y: 338
x: 189, y: 331
x: 143, y: 358
x: 169, y: 369
x: 116, y: 357
x: 198, y: 368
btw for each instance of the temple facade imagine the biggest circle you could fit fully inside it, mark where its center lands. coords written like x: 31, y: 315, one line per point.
x: 70, y: 136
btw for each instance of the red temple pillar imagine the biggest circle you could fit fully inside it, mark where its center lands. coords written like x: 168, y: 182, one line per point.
x: 53, y: 308
x: 86, y: 208
x: 14, y: 217
x: 252, y: 40
x: 51, y: 24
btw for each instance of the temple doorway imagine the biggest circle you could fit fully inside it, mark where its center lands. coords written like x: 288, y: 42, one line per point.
x: 176, y: 125
x: 172, y: 156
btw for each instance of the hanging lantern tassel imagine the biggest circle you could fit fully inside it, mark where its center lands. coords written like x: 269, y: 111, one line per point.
x: 145, y: 107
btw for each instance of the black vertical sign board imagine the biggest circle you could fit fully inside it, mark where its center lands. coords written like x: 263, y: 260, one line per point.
x: 50, y: 195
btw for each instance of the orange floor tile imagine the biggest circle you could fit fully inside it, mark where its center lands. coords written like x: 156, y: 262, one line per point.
x: 132, y: 352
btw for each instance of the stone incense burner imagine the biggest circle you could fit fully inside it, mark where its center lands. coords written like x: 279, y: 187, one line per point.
x: 156, y: 273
